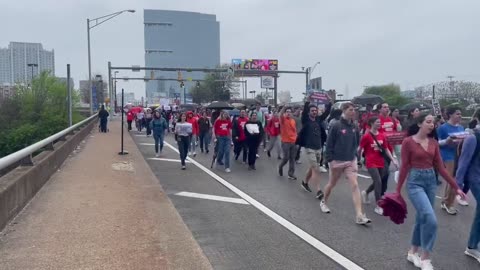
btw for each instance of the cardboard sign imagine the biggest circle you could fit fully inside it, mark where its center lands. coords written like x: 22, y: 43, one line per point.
x: 436, y: 107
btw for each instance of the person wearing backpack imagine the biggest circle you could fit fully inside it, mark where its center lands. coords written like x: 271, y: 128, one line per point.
x: 468, y: 171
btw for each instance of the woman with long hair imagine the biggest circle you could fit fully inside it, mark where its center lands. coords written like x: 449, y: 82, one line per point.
x: 183, y: 130
x: 411, y: 115
x: 420, y: 157
x: 376, y: 149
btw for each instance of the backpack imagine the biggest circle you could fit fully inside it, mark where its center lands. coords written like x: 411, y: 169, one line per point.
x: 459, y: 152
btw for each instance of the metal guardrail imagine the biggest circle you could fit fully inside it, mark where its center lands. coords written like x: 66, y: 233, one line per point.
x: 27, y: 152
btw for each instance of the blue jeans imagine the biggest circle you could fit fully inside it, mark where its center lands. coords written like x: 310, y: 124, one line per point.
x: 224, y: 150
x: 474, y: 239
x: 158, y: 137
x: 421, y: 187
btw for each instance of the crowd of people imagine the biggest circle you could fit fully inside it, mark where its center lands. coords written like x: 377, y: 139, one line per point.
x: 418, y: 150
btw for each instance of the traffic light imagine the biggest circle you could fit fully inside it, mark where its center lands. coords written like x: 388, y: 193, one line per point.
x: 198, y: 84
x: 182, y: 85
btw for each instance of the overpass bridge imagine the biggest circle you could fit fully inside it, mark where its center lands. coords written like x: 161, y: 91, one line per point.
x: 79, y: 205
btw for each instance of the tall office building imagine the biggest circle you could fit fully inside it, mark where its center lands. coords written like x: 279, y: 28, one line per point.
x: 15, y: 59
x: 178, y: 39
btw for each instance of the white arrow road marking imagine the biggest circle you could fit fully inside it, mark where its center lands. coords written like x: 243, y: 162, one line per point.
x: 211, y: 197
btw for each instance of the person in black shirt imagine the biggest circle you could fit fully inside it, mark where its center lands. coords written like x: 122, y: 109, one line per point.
x: 204, y: 126
x: 310, y: 138
x: 103, y: 115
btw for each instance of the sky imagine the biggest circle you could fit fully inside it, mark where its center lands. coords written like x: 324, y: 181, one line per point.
x: 357, y: 42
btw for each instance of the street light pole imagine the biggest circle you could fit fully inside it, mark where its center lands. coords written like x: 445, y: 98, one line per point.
x: 97, y: 21
x: 32, y: 65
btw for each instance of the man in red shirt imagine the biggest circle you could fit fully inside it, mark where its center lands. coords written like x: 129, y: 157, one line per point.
x: 387, y: 124
x: 238, y: 136
x: 273, y: 130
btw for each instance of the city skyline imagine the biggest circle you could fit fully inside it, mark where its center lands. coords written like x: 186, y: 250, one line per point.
x: 408, y: 43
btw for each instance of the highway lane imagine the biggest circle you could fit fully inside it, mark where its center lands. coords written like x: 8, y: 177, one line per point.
x: 380, y: 245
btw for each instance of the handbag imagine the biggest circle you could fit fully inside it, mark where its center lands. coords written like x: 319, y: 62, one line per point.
x: 382, y: 150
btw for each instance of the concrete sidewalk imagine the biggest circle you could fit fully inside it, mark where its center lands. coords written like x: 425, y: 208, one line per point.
x: 101, y: 211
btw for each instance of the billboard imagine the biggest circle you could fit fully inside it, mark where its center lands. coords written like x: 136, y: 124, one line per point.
x: 255, y: 64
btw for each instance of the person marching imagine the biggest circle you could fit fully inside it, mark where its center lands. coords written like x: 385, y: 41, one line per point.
x: 273, y: 130
x: 130, y: 118
x: 288, y: 133
x: 192, y: 119
x: 238, y: 134
x: 468, y: 177
x: 342, y: 144
x: 148, y: 120
x: 158, y: 125
x: 183, y: 132
x: 204, y: 126
x: 420, y: 156
x: 310, y: 139
x: 254, y: 134
x: 223, y: 136
x: 448, y: 146
x: 376, y: 149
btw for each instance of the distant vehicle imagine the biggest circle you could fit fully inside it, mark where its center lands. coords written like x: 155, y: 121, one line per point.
x: 338, y: 105
x: 472, y: 107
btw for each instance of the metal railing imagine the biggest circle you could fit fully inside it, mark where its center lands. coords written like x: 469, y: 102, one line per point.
x: 26, y: 153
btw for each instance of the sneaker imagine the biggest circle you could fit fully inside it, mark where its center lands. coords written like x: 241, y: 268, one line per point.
x: 194, y: 154
x: 257, y: 155
x: 298, y: 162
x: 183, y: 167
x: 207, y: 151
x: 269, y: 154
x: 363, y: 220
x: 306, y: 187
x: 227, y: 170
x: 292, y: 177
x: 157, y: 155
x: 474, y: 253
x: 379, y: 210
x: 365, y: 198
x: 426, y: 265
x: 279, y: 158
x: 323, y: 170
x: 280, y: 171
x: 324, y: 207
x: 414, y: 258
x: 461, y: 201
x: 449, y: 210
x: 319, y: 195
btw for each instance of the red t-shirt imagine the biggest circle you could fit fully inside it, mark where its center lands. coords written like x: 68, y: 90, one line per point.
x: 241, y: 128
x: 273, y: 126
x: 373, y: 155
x: 387, y: 124
x: 222, y: 127
x: 364, y: 121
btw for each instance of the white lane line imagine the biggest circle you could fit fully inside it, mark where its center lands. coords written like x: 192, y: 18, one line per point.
x: 211, y: 197
x: 439, y: 197
x: 320, y: 246
x: 363, y: 176
x: 169, y: 159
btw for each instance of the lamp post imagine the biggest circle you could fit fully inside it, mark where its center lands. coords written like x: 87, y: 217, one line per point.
x: 253, y: 93
x: 32, y: 65
x: 97, y: 22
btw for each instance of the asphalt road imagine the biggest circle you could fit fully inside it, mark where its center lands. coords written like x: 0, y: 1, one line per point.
x: 242, y: 236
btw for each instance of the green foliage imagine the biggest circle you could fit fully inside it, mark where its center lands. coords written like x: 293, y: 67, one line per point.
x: 34, y: 113
x: 390, y: 93
x: 215, y: 87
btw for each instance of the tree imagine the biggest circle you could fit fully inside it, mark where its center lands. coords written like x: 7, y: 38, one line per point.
x: 389, y: 92
x: 217, y: 86
x: 34, y: 113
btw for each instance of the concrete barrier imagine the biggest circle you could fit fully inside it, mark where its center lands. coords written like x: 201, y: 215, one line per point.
x: 18, y: 186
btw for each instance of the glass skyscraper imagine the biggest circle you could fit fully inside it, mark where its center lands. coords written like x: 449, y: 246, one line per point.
x: 178, y: 39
